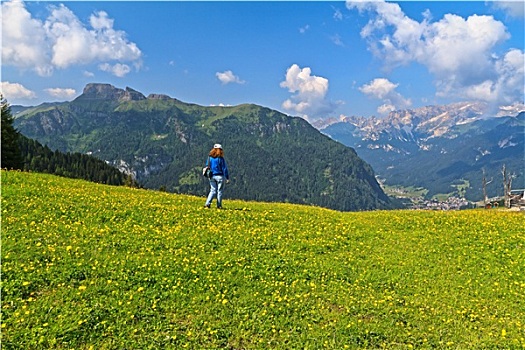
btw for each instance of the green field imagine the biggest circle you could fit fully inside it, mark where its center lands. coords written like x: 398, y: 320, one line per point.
x: 87, y: 266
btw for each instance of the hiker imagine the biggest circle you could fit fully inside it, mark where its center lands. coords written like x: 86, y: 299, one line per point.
x: 219, y: 173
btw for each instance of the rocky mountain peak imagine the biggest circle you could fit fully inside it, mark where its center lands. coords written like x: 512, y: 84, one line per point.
x: 159, y: 97
x: 132, y: 95
x: 95, y: 91
x: 429, y: 121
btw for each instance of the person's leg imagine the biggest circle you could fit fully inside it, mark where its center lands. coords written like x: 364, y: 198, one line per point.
x: 220, y: 186
x: 213, y: 192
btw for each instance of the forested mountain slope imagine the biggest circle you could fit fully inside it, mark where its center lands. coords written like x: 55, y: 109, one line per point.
x: 164, y: 143
x: 439, y: 147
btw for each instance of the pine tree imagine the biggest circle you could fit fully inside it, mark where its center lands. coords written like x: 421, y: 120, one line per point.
x: 11, y: 156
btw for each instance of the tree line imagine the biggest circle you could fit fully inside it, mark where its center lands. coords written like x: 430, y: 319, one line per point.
x: 21, y: 153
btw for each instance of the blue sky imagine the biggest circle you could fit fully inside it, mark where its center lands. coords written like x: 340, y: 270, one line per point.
x: 315, y: 59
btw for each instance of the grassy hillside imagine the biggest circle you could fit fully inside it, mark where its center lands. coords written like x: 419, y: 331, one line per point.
x: 89, y: 266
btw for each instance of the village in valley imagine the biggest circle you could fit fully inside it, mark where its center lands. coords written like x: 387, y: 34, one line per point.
x: 451, y: 203
x: 414, y: 198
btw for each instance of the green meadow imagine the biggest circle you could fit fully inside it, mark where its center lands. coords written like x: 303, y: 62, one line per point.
x: 88, y: 266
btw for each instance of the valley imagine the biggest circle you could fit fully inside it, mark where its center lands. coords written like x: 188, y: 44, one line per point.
x: 444, y: 149
x: 161, y: 141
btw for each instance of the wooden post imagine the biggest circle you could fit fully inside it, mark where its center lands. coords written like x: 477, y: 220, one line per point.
x: 507, y: 185
x: 485, y: 183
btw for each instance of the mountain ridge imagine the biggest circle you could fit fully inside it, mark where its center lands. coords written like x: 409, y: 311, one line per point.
x: 163, y: 142
x: 435, y: 147
x: 445, y: 144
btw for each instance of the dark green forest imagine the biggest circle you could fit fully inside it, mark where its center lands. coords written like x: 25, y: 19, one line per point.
x: 22, y: 153
x: 39, y: 158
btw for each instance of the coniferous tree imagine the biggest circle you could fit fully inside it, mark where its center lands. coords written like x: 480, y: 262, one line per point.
x: 11, y: 156
x: 41, y: 158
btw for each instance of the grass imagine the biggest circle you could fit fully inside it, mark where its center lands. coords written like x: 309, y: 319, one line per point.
x: 87, y: 266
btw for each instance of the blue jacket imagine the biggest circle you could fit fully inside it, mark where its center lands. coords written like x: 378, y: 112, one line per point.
x: 218, y: 166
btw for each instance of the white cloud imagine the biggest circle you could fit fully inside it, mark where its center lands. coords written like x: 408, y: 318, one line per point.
x: 508, y: 84
x: 336, y: 39
x: 119, y: 70
x: 228, y: 77
x: 303, y: 30
x: 61, y: 93
x: 511, y: 8
x: 458, y: 52
x: 385, y: 90
x: 338, y: 15
x: 379, y: 88
x: 385, y: 109
x: 101, y: 21
x: 310, y: 93
x: 24, y: 42
x: 12, y: 91
x: 62, y: 40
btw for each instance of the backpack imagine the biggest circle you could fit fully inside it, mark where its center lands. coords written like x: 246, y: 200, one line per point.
x: 206, y: 171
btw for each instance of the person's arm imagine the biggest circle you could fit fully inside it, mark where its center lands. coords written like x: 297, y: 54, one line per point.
x: 225, y: 170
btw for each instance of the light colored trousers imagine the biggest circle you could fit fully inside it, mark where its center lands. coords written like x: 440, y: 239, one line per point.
x: 216, y: 186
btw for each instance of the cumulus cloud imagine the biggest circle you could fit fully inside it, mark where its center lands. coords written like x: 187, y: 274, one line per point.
x: 309, y: 91
x: 12, y: 91
x: 508, y: 83
x: 228, y: 77
x: 119, y: 70
x: 62, y: 40
x: 24, y: 42
x: 458, y: 52
x: 379, y: 88
x: 61, y: 93
x: 384, y: 109
x: 385, y: 90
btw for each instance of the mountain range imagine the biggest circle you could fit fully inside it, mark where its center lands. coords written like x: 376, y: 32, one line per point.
x: 439, y: 148
x: 163, y: 143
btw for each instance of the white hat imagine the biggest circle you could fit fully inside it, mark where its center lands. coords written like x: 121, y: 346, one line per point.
x: 217, y: 145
